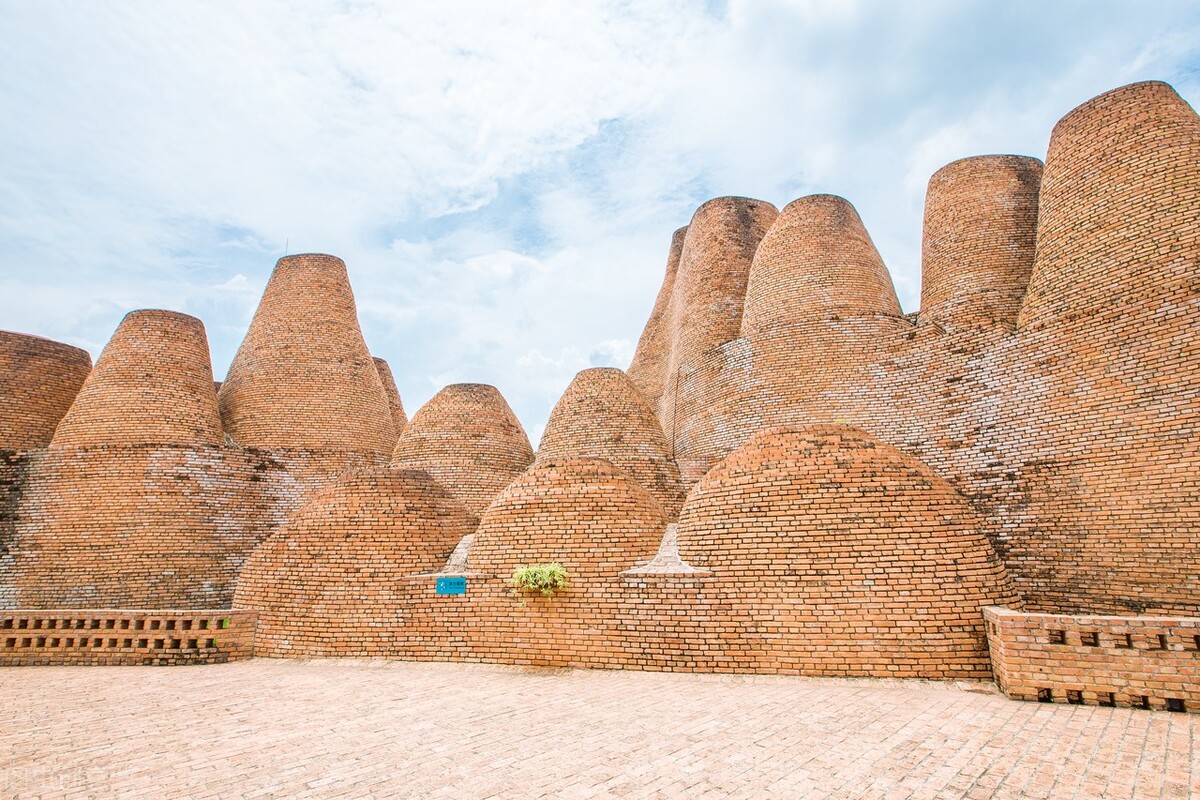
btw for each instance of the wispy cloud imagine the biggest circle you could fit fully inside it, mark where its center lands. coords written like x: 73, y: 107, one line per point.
x: 502, y: 178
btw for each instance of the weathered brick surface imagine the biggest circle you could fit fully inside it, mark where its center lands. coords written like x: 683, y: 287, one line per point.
x: 648, y: 370
x: 816, y: 261
x: 39, y: 379
x: 131, y: 527
x: 303, y: 378
x: 393, y: 395
x: 468, y: 439
x: 602, y: 415
x: 332, y: 581
x: 707, y: 296
x: 979, y: 235
x: 153, y: 384
x: 110, y: 637
x: 1070, y: 435
x: 1143, y: 662
x: 839, y: 555
x: 1103, y: 418
x: 593, y: 519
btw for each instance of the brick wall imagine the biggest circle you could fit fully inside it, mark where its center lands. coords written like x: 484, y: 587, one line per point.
x: 468, y: 439
x: 39, y: 379
x: 1143, y: 662
x: 818, y: 552
x: 602, y: 415
x: 331, y: 581
x: 839, y: 555
x: 93, y: 637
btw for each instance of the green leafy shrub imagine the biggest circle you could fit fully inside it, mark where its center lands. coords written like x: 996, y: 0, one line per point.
x: 544, y: 578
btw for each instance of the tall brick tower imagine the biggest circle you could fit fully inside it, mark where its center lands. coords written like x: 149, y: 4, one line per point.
x: 649, y: 368
x: 705, y: 313
x: 303, y: 378
x: 153, y: 384
x: 393, y: 395
x: 39, y: 379
x: 1105, y: 391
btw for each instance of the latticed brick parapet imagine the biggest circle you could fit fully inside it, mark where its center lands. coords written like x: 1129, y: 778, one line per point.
x: 1143, y: 662
x: 124, y: 637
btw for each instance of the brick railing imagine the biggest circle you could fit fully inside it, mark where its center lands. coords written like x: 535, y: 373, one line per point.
x: 30, y: 637
x: 1142, y: 662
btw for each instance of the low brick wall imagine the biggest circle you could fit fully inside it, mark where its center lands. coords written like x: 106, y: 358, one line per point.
x: 1143, y: 662
x: 108, y: 636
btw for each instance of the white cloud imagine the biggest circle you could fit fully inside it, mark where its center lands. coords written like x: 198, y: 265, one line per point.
x: 502, y: 179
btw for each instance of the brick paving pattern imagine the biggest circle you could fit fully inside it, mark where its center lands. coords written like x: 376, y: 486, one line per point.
x: 267, y: 728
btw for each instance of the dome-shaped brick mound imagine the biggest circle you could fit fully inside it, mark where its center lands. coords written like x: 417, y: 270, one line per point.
x: 39, y: 380
x: 843, y: 556
x: 332, y: 580
x: 1117, y: 220
x: 649, y: 367
x: 595, y: 521
x: 153, y: 384
x: 816, y: 262
x: 302, y: 378
x: 393, y: 395
x: 979, y: 235
x: 584, y: 513
x: 602, y: 415
x: 469, y: 440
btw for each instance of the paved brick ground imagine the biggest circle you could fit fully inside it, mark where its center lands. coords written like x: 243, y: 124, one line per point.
x: 267, y: 728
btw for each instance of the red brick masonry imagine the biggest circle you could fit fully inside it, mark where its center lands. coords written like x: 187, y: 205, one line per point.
x: 1143, y: 662
x: 31, y: 637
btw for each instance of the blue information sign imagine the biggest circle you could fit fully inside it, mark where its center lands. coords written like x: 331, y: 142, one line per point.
x: 451, y: 585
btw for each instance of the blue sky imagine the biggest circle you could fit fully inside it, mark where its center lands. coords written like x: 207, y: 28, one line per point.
x: 502, y: 179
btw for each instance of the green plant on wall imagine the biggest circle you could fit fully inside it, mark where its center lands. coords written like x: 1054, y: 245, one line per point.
x: 546, y: 579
